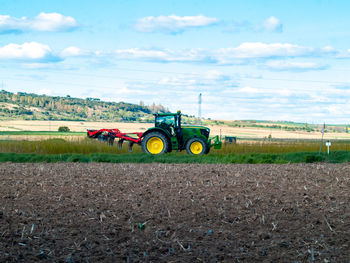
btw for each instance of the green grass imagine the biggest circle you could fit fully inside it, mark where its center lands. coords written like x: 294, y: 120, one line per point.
x: 88, y: 146
x: 301, y: 157
x: 60, y: 150
x: 281, y: 147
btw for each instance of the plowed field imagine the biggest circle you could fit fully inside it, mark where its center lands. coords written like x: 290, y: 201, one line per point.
x: 96, y: 212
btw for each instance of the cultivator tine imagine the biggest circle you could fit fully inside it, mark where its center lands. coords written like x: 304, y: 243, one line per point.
x: 130, y: 146
x: 120, y: 143
x: 110, y: 141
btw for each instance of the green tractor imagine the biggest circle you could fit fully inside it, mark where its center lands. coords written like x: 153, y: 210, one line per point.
x: 168, y: 134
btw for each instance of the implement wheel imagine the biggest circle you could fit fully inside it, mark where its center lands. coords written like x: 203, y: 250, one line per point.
x: 197, y: 146
x: 155, y: 143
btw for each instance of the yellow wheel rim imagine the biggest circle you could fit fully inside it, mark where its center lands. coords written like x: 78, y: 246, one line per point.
x: 196, y: 147
x: 155, y: 145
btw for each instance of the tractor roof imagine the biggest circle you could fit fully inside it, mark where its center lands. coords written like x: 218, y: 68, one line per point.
x: 167, y: 114
x: 194, y: 127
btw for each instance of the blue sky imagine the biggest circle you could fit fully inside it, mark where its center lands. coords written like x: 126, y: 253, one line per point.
x: 271, y: 60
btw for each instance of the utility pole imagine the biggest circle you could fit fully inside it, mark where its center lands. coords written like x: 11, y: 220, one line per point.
x: 199, y: 107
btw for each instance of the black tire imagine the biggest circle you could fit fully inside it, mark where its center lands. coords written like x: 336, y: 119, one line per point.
x: 205, y: 148
x: 159, y: 135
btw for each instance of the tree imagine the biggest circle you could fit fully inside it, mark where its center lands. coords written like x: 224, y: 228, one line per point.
x: 63, y: 129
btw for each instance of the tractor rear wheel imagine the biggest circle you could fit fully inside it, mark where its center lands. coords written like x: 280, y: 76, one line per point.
x: 155, y: 143
x: 197, y: 146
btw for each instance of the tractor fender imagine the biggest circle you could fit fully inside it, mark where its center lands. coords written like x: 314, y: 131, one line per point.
x: 156, y: 129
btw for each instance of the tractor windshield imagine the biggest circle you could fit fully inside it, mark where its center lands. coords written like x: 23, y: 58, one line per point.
x: 165, y: 121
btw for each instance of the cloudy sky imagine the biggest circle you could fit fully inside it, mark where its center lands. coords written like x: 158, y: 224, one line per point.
x: 254, y: 59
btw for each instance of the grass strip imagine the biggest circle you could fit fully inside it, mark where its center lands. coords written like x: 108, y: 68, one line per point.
x: 88, y: 146
x: 300, y: 157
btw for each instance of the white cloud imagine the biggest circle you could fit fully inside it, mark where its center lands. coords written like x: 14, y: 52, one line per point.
x: 136, y: 53
x: 236, y: 55
x: 53, y: 22
x: 204, y: 80
x: 215, y: 75
x: 291, y: 65
x: 74, y: 52
x: 42, y: 22
x: 274, y: 56
x: 36, y: 65
x: 249, y: 90
x: 163, y: 55
x: 344, y: 54
x: 273, y: 24
x: 328, y: 49
x: 27, y: 51
x: 172, y: 23
x: 260, y: 54
x: 261, y: 50
x: 338, y: 110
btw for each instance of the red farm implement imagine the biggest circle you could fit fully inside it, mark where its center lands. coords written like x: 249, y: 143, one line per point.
x: 109, y: 135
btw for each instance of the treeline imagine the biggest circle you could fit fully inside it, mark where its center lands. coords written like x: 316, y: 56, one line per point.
x: 30, y: 106
x: 293, y: 127
x: 306, y: 127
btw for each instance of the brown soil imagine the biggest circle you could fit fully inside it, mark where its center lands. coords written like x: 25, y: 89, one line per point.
x: 174, y: 213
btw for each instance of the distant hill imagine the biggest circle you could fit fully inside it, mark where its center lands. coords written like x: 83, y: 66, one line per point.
x: 30, y: 106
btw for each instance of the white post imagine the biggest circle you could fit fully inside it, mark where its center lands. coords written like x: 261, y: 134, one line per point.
x: 323, y: 129
x: 328, y: 144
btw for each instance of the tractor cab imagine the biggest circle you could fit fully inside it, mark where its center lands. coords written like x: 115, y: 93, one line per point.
x: 171, y: 122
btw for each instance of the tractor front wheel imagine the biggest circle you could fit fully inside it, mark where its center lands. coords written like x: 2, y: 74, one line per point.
x: 155, y: 143
x: 197, y: 146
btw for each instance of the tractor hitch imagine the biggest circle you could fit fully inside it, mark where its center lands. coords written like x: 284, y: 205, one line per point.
x: 215, y: 141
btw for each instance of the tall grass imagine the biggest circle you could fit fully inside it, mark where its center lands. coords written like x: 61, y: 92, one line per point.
x: 88, y: 146
x: 59, y: 150
x: 60, y: 146
x: 280, y: 147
